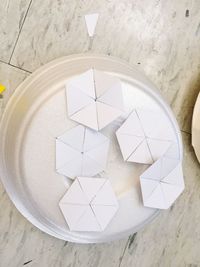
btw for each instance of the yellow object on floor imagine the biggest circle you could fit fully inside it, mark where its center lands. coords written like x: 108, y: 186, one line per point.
x: 2, y: 88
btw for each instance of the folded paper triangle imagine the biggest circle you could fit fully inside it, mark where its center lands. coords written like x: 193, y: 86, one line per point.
x: 75, y: 195
x: 105, y: 196
x: 155, y: 124
x: 175, y: 176
x: 73, y: 213
x: 128, y: 144
x: 106, y: 114
x: 104, y: 82
x: 132, y: 126
x: 93, y: 139
x: 74, y: 137
x: 141, y: 154
x: 156, y: 199
x: 88, y: 218
x: 78, y: 100
x: 64, y: 154
x: 108, y: 99
x: 91, y: 187
x: 84, y: 82
x: 72, y: 168
x: 87, y: 116
x: 158, y: 147
x: 90, y: 166
x: 97, y: 154
x: 148, y: 186
x: 170, y: 192
x: 104, y: 214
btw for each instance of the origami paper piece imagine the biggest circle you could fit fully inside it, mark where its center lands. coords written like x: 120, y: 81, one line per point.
x: 143, y: 137
x: 94, y: 99
x: 91, y: 22
x: 162, y: 183
x: 89, y: 204
x: 81, y: 151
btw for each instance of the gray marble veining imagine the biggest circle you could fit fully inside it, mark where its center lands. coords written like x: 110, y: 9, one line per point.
x: 12, y: 15
x: 162, y: 38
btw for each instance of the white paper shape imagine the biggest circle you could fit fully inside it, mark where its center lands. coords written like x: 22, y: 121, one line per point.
x: 142, y: 154
x: 105, y: 196
x: 162, y: 183
x: 103, y: 214
x: 91, y: 22
x: 75, y: 195
x: 78, y: 99
x: 86, y: 79
x: 73, y: 213
x: 89, y: 215
x: 81, y: 151
x: 103, y: 100
x: 137, y: 129
x: 106, y: 114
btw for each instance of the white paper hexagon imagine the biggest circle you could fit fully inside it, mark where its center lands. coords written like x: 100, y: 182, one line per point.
x: 89, y: 204
x: 94, y: 99
x: 144, y: 137
x: 162, y: 183
x: 81, y: 152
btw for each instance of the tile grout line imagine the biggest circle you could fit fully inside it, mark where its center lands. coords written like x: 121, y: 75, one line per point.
x: 20, y: 31
x: 11, y: 65
x: 16, y: 67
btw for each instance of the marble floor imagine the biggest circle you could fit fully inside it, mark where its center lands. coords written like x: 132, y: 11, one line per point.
x: 162, y: 38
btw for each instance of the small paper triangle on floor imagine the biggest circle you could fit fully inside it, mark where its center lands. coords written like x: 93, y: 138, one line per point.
x: 128, y: 143
x: 106, y: 114
x: 72, y: 213
x: 87, y: 116
x: 91, y: 22
x: 104, y: 214
x: 91, y: 186
x: 141, y: 154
